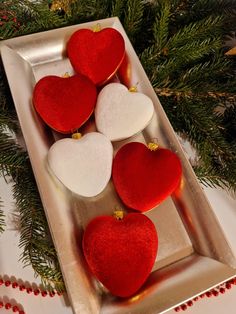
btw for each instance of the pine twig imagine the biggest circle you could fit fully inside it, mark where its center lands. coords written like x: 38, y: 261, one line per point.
x: 169, y: 92
x: 2, y: 219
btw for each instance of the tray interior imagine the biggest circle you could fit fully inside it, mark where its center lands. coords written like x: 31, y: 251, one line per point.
x: 192, y: 257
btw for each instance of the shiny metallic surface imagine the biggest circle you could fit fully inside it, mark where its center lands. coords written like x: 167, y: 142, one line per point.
x: 194, y: 254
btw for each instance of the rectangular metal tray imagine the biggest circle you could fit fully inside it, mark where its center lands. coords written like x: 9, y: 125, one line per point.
x: 194, y: 254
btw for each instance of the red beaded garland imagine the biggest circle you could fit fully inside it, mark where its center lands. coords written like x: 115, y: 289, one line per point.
x: 22, y: 287
x: 7, y: 283
x: 36, y: 292
x: 184, y: 307
x: 15, y: 308
x: 15, y: 285
x: 214, y: 292
x: 208, y: 294
x: 7, y: 306
x: 228, y: 285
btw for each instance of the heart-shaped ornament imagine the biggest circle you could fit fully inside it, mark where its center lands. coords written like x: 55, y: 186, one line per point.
x: 65, y: 104
x: 120, y: 113
x: 143, y: 178
x: 82, y: 165
x: 96, y: 54
x: 121, y: 252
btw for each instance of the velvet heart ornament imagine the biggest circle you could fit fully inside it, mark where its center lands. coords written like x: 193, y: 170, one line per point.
x: 82, y: 165
x: 121, y: 253
x: 143, y: 178
x: 121, y: 113
x: 65, y: 103
x: 97, y: 55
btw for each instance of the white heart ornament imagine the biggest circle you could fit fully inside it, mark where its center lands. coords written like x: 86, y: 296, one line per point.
x: 120, y: 114
x: 82, y: 165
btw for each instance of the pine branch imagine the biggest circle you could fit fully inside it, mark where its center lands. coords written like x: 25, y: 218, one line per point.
x: 11, y: 156
x: 133, y: 17
x: 196, y: 117
x: 8, y: 118
x: 161, y: 26
x: 38, y: 249
x: 2, y: 219
x: 223, y: 97
x: 205, y: 28
x: 117, y: 8
x: 28, y: 17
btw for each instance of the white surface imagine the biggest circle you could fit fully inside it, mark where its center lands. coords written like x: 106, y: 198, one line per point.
x: 82, y: 165
x: 119, y: 113
x: 223, y: 204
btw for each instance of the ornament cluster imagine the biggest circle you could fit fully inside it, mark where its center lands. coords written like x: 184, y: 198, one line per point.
x: 120, y: 251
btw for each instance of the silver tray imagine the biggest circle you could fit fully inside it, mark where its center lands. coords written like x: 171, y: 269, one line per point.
x: 194, y: 254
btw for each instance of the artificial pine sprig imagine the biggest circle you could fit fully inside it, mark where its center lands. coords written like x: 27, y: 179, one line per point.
x: 25, y: 17
x: 38, y: 250
x: 2, y: 219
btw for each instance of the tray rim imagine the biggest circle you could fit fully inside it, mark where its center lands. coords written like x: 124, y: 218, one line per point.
x: 112, y: 20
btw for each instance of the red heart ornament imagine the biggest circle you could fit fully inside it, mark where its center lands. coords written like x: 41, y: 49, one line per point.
x: 121, y: 253
x: 97, y: 55
x: 144, y: 178
x: 65, y: 103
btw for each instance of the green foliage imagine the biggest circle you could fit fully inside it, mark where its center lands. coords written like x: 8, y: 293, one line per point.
x: 24, y: 17
x: 2, y: 220
x: 38, y: 249
x: 180, y: 44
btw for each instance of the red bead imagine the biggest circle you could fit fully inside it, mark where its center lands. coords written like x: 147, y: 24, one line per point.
x: 195, y: 299
x: 36, y: 292
x: 52, y: 294
x: 15, y: 308
x: 22, y: 288
x: 233, y: 281
x: 202, y: 295
x: 1, y: 304
x: 7, y: 306
x: 177, y: 309
x: 222, y: 290
x: 29, y: 290
x: 21, y: 312
x: 215, y: 293
x: 228, y: 285
x: 15, y: 285
x: 1, y: 282
x: 190, y: 303
x: 44, y: 293
x: 184, y: 307
x: 208, y: 294
x: 7, y: 283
